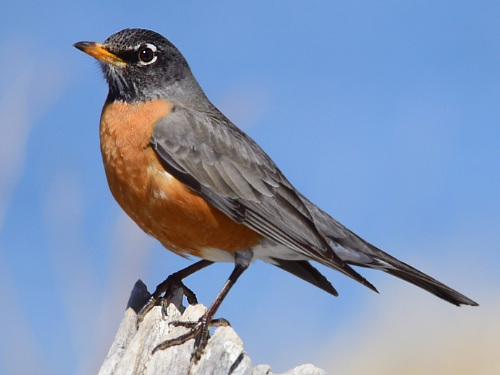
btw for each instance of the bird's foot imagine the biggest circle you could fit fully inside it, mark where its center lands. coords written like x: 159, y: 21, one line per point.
x: 199, y: 331
x: 168, y: 288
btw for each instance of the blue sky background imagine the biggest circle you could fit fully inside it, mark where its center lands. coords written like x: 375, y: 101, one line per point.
x: 384, y: 114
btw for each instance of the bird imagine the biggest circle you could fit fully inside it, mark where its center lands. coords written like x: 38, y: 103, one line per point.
x: 202, y: 187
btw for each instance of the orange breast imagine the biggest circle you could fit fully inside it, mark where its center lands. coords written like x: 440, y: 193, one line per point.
x: 160, y: 204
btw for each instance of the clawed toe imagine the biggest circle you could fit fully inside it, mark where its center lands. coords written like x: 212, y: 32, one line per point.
x: 214, y: 323
x: 168, y: 288
x: 199, y: 331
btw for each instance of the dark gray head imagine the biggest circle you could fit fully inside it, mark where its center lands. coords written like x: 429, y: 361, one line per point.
x: 141, y: 65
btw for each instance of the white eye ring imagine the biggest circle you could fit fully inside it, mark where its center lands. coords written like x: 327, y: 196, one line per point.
x: 146, y: 53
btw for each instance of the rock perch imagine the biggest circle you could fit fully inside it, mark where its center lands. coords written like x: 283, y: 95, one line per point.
x: 130, y: 353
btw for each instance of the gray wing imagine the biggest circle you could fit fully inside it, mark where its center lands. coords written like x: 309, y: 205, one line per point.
x: 205, y: 151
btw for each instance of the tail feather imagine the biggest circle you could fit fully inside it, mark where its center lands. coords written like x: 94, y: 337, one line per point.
x: 433, y: 286
x: 353, y: 250
x: 380, y: 260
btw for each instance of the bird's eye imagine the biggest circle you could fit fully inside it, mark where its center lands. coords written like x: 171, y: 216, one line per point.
x: 147, y: 54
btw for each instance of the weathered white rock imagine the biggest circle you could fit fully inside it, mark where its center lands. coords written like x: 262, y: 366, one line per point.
x: 131, y: 351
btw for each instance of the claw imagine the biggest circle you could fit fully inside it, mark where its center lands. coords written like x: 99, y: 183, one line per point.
x: 145, y: 309
x: 172, y: 283
x: 221, y: 322
x: 200, y: 331
x: 168, y: 287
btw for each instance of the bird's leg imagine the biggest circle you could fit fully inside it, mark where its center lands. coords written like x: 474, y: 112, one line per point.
x: 170, y: 285
x: 200, y: 330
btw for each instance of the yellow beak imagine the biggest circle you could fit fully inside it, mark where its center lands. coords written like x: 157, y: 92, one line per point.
x: 101, y: 53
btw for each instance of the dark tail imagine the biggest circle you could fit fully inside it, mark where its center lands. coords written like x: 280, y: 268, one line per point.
x: 353, y: 250
x: 420, y: 279
x: 382, y: 261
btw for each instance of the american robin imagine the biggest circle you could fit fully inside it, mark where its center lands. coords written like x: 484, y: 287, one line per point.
x: 201, y: 186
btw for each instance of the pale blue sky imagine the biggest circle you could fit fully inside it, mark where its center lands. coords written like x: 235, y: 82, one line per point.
x: 385, y: 114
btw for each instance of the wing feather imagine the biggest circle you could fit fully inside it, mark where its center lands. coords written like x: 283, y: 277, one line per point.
x: 227, y: 168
